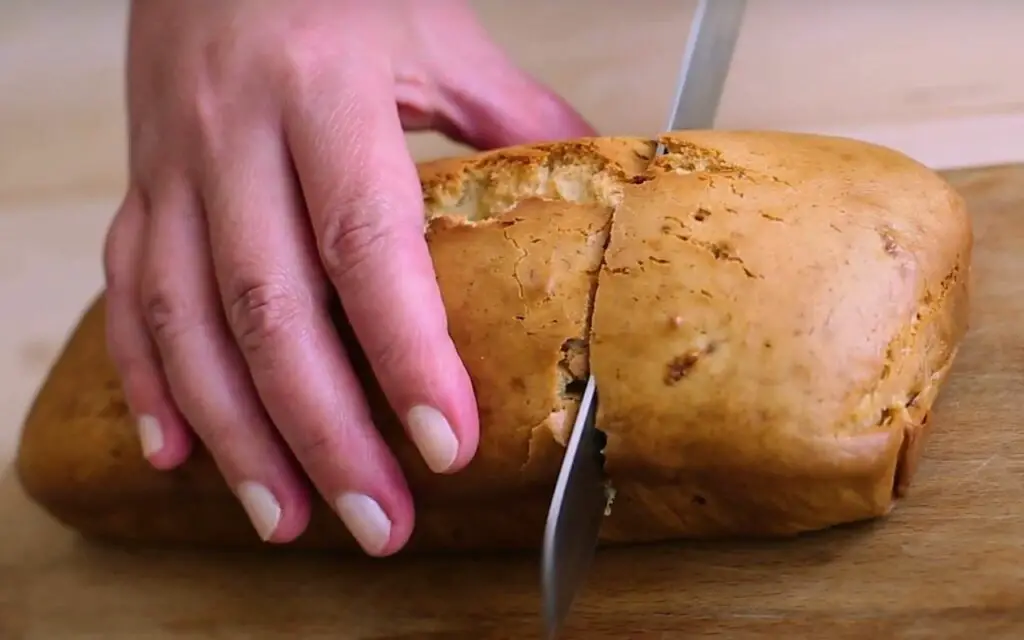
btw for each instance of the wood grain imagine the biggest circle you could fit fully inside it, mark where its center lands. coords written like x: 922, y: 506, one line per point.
x: 948, y: 563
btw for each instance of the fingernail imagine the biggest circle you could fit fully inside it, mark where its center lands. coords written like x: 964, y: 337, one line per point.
x: 151, y: 436
x: 366, y: 521
x: 433, y: 436
x: 261, y: 506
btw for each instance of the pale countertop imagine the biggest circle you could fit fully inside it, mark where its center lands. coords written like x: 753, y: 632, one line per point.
x: 931, y: 77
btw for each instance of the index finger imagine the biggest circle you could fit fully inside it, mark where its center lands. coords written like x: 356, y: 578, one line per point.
x: 364, y: 199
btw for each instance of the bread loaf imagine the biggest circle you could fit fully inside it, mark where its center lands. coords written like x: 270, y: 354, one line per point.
x: 768, y: 316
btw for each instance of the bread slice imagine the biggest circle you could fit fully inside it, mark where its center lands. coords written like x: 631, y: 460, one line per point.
x: 769, y: 317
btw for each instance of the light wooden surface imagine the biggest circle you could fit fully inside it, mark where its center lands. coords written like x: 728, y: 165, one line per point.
x: 947, y: 564
x: 934, y: 78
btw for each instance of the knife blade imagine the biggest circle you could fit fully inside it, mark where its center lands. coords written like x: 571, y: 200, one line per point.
x: 706, y: 60
x: 574, y: 518
x: 581, y: 495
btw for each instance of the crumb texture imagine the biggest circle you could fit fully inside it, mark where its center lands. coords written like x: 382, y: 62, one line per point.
x: 769, y: 318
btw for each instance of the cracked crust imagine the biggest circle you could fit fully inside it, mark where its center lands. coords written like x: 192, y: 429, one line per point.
x: 769, y: 317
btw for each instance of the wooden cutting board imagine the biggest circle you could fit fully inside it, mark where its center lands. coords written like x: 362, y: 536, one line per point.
x: 948, y: 563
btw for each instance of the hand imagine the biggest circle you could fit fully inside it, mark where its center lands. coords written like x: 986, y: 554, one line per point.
x: 267, y: 164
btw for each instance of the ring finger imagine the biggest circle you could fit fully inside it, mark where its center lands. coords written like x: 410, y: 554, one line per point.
x: 205, y: 372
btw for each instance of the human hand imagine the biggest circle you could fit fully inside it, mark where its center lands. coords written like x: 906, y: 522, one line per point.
x: 267, y: 165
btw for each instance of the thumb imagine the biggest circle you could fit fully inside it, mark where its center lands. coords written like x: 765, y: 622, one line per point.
x: 485, y: 100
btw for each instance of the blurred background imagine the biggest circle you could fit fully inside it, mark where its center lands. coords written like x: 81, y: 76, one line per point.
x: 938, y: 79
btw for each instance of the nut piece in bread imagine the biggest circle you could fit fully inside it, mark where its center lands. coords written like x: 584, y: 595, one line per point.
x: 769, y: 317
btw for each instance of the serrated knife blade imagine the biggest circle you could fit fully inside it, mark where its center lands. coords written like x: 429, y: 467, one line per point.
x: 581, y: 496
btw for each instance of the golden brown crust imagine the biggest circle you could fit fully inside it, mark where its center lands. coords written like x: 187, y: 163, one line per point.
x: 769, y: 317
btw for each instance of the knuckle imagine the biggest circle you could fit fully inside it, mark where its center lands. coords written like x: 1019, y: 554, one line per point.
x: 301, y: 61
x: 221, y: 439
x: 335, y: 457
x: 206, y: 110
x: 315, y: 446
x: 260, y: 314
x: 349, y: 242
x: 390, y: 354
x: 298, y: 59
x: 167, y: 313
x: 220, y: 90
x: 208, y: 116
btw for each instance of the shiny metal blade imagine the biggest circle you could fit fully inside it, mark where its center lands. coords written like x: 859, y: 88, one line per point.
x: 574, y: 519
x: 709, y: 48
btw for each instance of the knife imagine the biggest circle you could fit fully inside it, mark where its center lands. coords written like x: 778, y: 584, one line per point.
x: 581, y: 496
